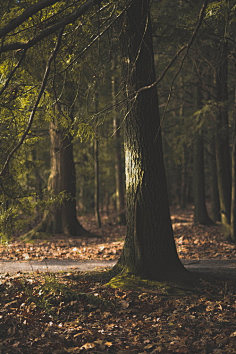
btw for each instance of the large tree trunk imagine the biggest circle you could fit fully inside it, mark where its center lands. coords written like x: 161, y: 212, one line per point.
x: 61, y: 218
x: 149, y: 248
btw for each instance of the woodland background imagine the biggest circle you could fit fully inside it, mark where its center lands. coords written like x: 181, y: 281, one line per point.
x: 84, y: 104
x: 63, y: 111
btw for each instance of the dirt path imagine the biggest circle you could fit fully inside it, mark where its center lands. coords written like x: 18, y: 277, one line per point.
x: 53, y: 265
x: 220, y: 267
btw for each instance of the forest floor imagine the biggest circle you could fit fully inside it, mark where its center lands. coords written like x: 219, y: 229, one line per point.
x: 77, y: 312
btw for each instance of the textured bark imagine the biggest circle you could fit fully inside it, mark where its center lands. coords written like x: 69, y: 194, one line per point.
x: 63, y: 219
x: 60, y: 218
x: 149, y: 248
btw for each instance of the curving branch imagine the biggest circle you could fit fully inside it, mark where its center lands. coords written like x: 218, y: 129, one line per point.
x: 187, y: 47
x: 52, y: 29
x: 25, y: 15
x: 32, y: 114
x: 13, y: 72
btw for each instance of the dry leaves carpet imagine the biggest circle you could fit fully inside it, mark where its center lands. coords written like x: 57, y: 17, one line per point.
x: 78, y: 313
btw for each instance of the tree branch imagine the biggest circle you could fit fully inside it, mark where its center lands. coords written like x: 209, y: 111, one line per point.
x: 32, y: 114
x: 46, y: 32
x: 25, y: 15
x: 13, y: 72
x: 187, y: 46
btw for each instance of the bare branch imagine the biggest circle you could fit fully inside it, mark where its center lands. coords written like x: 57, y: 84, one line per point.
x: 13, y: 72
x: 49, y: 30
x: 32, y: 114
x: 187, y: 46
x: 25, y: 15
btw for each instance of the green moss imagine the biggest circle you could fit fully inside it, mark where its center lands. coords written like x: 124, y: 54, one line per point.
x: 127, y: 281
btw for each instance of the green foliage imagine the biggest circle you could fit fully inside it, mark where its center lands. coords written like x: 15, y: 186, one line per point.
x: 84, y: 133
x: 17, y: 214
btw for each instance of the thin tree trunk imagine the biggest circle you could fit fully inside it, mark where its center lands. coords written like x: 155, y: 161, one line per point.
x: 119, y: 173
x: 222, y: 142
x: 149, y: 248
x: 184, y: 172
x: 233, y: 193
x: 184, y: 178
x: 215, y: 201
x: 96, y: 171
x: 200, y: 210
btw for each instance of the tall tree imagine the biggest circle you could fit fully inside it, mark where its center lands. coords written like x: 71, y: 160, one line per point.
x: 149, y: 248
x: 62, y: 216
x: 200, y: 210
x: 222, y: 138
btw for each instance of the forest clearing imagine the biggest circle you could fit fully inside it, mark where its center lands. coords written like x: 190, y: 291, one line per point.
x: 76, y: 312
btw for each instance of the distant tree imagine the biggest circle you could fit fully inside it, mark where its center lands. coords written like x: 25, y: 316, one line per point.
x: 200, y: 211
x: 32, y: 23
x: 61, y: 216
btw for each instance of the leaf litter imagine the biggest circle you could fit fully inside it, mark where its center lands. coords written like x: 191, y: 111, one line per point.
x: 77, y: 312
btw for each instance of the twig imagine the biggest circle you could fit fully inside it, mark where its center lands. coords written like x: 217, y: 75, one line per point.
x: 13, y: 72
x: 187, y: 46
x: 32, y: 114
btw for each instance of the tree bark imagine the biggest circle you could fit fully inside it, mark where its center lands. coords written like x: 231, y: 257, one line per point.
x: 119, y: 171
x: 60, y: 218
x: 233, y: 192
x: 222, y: 141
x: 184, y: 178
x: 149, y: 249
x: 215, y: 201
x: 96, y: 170
x: 200, y: 211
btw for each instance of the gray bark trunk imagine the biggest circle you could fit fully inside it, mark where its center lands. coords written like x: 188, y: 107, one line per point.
x: 149, y: 248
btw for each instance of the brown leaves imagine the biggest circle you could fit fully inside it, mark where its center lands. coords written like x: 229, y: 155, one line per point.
x: 75, y: 313
x: 192, y: 241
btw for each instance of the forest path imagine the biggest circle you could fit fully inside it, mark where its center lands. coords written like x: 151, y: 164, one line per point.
x: 221, y: 267
x: 201, y: 248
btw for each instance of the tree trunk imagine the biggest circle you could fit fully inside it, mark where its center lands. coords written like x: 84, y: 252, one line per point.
x: 149, y: 248
x: 60, y: 218
x: 222, y: 141
x: 233, y: 193
x: 119, y: 173
x: 200, y: 210
x: 184, y: 178
x: 96, y: 170
x: 215, y: 201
